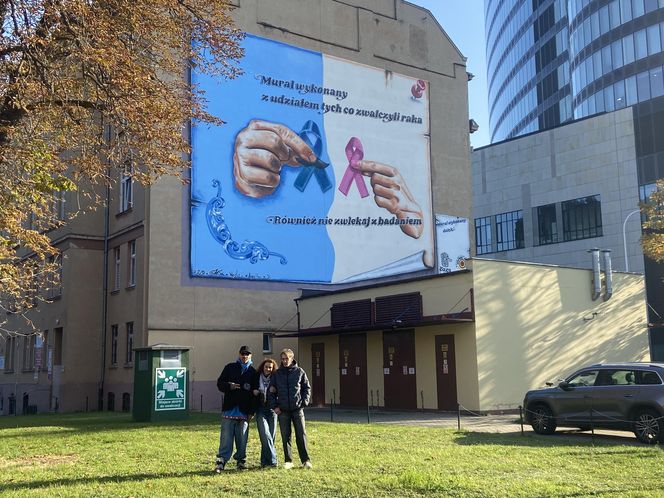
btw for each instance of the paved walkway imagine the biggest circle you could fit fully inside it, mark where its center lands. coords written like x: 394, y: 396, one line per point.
x: 492, y: 423
x: 495, y: 424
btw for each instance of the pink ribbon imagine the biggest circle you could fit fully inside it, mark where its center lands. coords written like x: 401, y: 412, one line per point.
x: 418, y: 89
x: 354, y: 153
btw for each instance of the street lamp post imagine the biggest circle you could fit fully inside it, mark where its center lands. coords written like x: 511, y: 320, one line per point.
x: 625, y: 238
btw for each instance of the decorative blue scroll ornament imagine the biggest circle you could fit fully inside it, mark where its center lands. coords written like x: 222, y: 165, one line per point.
x: 249, y: 249
x: 311, y: 135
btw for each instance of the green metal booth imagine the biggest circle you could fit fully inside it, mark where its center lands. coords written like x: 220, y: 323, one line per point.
x: 161, y: 383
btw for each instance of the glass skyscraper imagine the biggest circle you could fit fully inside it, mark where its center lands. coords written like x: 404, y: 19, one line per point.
x: 550, y: 61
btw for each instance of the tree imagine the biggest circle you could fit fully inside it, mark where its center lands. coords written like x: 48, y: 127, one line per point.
x: 85, y: 87
x: 653, y: 237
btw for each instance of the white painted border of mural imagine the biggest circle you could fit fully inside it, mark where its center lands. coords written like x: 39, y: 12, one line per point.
x: 321, y: 173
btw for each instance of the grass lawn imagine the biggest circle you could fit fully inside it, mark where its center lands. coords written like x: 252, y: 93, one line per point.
x: 106, y: 454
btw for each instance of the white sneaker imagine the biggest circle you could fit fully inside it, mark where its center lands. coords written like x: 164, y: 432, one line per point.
x: 288, y: 465
x: 307, y: 465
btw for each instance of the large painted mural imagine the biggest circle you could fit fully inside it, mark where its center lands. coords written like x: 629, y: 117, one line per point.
x: 321, y: 173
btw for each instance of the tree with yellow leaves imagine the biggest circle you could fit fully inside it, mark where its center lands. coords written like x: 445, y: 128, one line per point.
x: 653, y: 236
x: 85, y: 86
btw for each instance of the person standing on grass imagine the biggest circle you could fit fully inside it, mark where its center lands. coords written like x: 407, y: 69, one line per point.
x: 239, y: 382
x: 288, y: 394
x: 266, y: 419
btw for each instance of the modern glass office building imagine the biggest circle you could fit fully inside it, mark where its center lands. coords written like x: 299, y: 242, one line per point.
x: 550, y: 61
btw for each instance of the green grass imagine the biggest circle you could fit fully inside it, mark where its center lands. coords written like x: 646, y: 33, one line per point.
x: 103, y: 454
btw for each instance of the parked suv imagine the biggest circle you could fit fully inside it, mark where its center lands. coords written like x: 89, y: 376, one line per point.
x: 622, y: 396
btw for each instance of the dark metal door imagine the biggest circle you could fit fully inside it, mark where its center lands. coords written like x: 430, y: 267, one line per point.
x: 399, y: 369
x: 446, y: 373
x: 353, y: 369
x: 318, y: 373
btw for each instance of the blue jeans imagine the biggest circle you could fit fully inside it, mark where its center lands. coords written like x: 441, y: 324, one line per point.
x: 296, y: 417
x: 266, y: 421
x: 233, y: 430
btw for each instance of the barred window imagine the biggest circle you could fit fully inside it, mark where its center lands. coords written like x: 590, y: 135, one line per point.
x: 582, y: 218
x: 509, y: 231
x: 483, y: 244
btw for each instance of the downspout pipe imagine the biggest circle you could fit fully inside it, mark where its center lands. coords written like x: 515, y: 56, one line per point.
x: 597, y: 278
x: 608, y: 274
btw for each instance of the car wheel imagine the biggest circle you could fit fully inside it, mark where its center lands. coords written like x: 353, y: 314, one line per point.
x: 648, y: 426
x: 542, y: 420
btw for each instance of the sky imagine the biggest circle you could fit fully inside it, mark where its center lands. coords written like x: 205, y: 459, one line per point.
x: 463, y: 21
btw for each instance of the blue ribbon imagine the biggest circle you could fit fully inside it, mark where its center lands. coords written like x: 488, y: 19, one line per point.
x: 311, y: 135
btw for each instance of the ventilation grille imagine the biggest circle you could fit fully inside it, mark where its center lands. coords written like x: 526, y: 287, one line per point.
x: 351, y: 314
x: 400, y: 308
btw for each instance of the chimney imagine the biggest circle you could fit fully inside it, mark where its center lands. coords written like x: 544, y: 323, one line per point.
x: 608, y: 274
x: 597, y: 278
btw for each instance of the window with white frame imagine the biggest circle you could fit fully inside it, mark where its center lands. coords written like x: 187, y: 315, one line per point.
x: 131, y: 277
x: 126, y: 187
x: 267, y: 343
x: 114, y: 344
x: 130, y: 343
x: 116, y: 273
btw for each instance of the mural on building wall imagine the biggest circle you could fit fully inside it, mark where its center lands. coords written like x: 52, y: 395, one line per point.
x: 320, y: 174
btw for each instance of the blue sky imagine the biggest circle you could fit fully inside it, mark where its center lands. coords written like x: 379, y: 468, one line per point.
x: 463, y: 21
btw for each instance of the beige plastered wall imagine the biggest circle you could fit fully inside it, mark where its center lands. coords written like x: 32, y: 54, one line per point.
x: 214, y: 317
x: 440, y: 295
x: 539, y: 323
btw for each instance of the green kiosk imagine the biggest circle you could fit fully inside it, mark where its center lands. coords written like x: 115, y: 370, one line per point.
x: 161, y: 383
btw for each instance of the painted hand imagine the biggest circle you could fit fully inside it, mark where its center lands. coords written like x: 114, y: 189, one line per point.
x: 392, y: 193
x: 261, y: 150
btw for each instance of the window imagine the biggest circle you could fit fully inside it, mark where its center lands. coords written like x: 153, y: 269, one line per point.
x: 130, y: 343
x: 616, y: 378
x: 29, y: 352
x: 509, y: 231
x: 54, y: 287
x: 483, y: 243
x: 583, y: 379
x: 646, y: 190
x: 131, y: 280
x: 582, y: 218
x: 547, y: 225
x: 10, y: 353
x: 267, y: 343
x: 126, y: 187
x: 116, y: 280
x: 58, y: 206
x: 114, y: 344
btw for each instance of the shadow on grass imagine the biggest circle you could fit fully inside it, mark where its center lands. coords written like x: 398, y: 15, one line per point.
x: 101, y: 480
x: 570, y: 438
x: 98, y: 421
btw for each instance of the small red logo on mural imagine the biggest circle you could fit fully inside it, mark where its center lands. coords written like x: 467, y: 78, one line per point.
x: 418, y: 89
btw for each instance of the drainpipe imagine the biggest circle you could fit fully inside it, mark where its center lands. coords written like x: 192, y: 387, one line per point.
x: 104, y: 299
x: 608, y: 274
x: 597, y: 278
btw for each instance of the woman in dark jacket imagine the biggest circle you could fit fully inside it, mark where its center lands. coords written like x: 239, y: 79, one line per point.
x: 266, y: 419
x: 288, y: 394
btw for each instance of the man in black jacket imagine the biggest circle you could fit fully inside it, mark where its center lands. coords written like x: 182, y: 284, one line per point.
x: 239, y: 383
x: 288, y: 394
